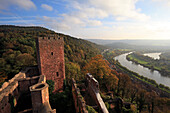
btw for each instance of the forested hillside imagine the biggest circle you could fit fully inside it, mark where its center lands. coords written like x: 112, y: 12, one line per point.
x: 18, y: 50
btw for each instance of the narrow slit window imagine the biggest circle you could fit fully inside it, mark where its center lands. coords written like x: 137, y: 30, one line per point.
x: 51, y: 53
x: 57, y: 74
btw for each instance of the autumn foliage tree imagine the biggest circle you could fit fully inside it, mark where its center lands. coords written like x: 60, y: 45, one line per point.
x: 100, y: 69
x: 150, y: 100
x: 141, y: 99
x: 72, y: 71
x: 124, y: 84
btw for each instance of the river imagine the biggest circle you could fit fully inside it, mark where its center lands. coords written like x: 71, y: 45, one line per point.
x: 153, y: 55
x: 155, y: 75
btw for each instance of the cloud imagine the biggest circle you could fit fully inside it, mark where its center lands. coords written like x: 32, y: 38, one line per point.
x: 115, y: 30
x: 124, y: 9
x: 46, y: 7
x: 94, y: 23
x: 127, y: 30
x: 163, y: 2
x: 91, y: 13
x: 88, y: 18
x: 54, y: 24
x: 24, y: 4
x: 119, y: 9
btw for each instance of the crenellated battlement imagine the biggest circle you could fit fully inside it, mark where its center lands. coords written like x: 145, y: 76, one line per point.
x: 51, y: 38
x: 50, y: 57
x: 32, y: 80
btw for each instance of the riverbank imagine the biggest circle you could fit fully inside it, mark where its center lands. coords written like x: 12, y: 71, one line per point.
x: 152, y: 64
x: 133, y: 70
x: 148, y: 84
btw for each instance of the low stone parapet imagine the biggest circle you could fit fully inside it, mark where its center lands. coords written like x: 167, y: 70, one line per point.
x: 93, y: 90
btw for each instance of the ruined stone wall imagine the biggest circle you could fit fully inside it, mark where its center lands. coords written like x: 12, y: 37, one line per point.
x: 50, y: 57
x: 9, y: 92
x: 46, y: 108
x: 25, y: 83
x: 93, y: 90
x: 31, y: 71
x: 16, y: 87
x: 40, y: 98
x: 79, y: 102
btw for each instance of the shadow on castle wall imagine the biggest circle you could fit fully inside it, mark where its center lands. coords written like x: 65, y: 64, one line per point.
x: 19, y: 87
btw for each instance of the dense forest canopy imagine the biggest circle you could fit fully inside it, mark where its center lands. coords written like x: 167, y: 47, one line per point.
x: 18, y: 50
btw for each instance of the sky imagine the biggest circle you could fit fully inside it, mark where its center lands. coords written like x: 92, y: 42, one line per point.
x: 92, y: 19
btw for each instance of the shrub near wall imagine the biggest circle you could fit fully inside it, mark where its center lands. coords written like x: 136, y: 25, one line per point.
x: 90, y: 109
x: 51, y: 86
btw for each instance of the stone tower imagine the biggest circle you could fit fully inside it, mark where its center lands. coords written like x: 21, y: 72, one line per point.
x: 39, y: 96
x: 50, y: 58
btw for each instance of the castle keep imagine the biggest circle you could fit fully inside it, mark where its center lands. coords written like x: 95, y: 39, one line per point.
x: 50, y: 57
x: 30, y: 83
x: 28, y: 92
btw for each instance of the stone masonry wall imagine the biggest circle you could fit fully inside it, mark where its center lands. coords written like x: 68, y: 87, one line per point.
x: 93, y: 90
x: 79, y: 103
x: 50, y: 57
x: 32, y: 71
x: 9, y: 93
x: 16, y: 87
x: 25, y: 83
x: 40, y: 98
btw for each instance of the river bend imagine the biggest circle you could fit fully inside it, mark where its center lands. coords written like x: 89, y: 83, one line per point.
x: 155, y: 75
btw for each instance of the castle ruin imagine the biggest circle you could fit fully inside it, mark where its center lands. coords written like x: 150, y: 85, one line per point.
x: 93, y: 91
x: 31, y: 84
x: 50, y: 58
x: 16, y: 94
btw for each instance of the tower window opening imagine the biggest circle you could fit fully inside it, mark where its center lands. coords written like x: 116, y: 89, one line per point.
x: 57, y: 74
x: 51, y: 53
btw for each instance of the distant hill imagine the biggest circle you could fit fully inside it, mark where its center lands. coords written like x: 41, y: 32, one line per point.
x: 134, y: 44
x: 18, y: 49
x: 120, y: 45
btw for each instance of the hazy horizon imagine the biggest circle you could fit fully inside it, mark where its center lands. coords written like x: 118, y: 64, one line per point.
x: 97, y: 19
